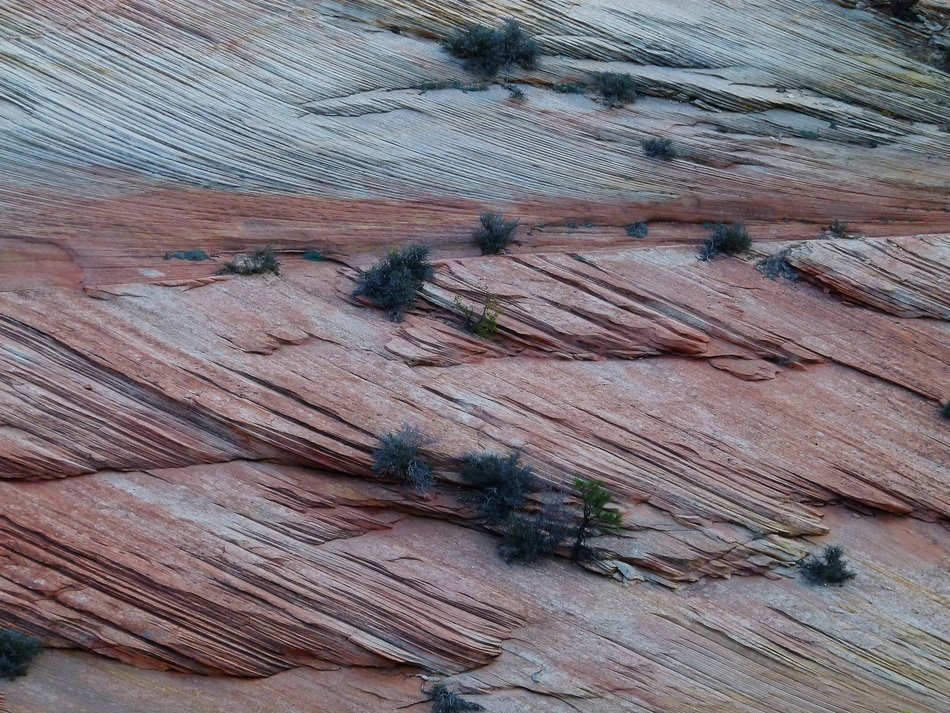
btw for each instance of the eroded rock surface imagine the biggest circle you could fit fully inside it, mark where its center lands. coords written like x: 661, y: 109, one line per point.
x: 187, y: 506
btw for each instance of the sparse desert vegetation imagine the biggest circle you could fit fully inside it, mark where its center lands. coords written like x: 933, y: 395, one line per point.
x: 393, y: 283
x: 487, y: 50
x: 830, y: 567
x: 261, y: 261
x: 616, y: 89
x: 399, y: 456
x: 725, y: 239
x: 17, y: 652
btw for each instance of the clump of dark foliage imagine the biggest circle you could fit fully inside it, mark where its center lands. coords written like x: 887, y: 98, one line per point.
x: 484, y: 325
x: 487, y: 50
x: 726, y: 239
x: 17, y: 652
x: 638, y: 230
x: 452, y: 84
x: 616, y: 89
x: 569, y: 88
x: 838, y: 229
x: 500, y: 483
x: 659, y: 148
x: 904, y: 10
x: 190, y: 255
x: 260, y: 261
x: 945, y: 411
x: 529, y: 538
x: 776, y: 266
x: 516, y: 93
x: 399, y: 456
x: 393, y: 282
x: 444, y: 701
x: 313, y: 255
x: 828, y: 568
x: 494, y: 234
x: 596, y: 518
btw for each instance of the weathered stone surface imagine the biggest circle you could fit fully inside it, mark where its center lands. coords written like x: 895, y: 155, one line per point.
x: 185, y: 478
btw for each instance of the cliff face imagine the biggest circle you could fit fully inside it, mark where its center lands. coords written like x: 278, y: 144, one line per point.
x: 186, y: 457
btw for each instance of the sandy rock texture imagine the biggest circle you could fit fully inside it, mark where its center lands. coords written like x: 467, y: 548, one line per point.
x: 188, y: 512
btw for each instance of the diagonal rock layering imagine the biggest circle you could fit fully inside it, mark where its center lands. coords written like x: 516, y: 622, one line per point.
x: 133, y: 129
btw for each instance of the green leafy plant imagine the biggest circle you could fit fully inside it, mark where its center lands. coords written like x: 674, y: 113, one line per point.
x: 828, y: 568
x: 494, y: 234
x: 596, y: 518
x: 313, y: 256
x: 399, y: 456
x: 444, y: 701
x: 659, y: 148
x: 726, y: 239
x: 487, y: 50
x: 484, y: 325
x: 17, y: 652
x: 616, y: 89
x: 500, y: 483
x: 392, y: 284
x: 262, y: 260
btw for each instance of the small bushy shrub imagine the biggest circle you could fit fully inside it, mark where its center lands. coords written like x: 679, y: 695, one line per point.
x: 17, y: 652
x: 904, y: 9
x: 190, y: 255
x: 828, y: 568
x: 484, y: 325
x: 393, y: 282
x: 313, y: 256
x: 616, y: 89
x: 444, y: 701
x: 527, y: 539
x: 776, y: 266
x: 570, y: 88
x: 500, y: 483
x: 638, y: 230
x: 945, y: 411
x: 596, y: 519
x: 486, y: 50
x: 838, y: 229
x: 260, y: 261
x: 494, y: 234
x: 659, y: 148
x: 399, y: 456
x: 516, y: 93
x: 726, y: 239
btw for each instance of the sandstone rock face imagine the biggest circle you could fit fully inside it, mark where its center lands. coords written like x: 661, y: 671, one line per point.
x: 188, y: 513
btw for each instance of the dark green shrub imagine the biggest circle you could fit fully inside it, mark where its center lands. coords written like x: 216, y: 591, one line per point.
x: 485, y: 50
x: 570, y: 88
x: 313, y: 256
x: 258, y: 262
x: 725, y: 239
x: 776, y: 266
x: 516, y: 93
x: 444, y: 701
x: 17, y: 652
x: 638, y: 230
x: 191, y: 255
x: 500, y: 483
x: 527, y: 539
x: 494, y: 234
x: 616, y: 89
x: 393, y: 282
x: 484, y: 325
x: 904, y: 10
x: 828, y: 568
x: 399, y: 456
x: 596, y: 519
x: 659, y: 148
x: 945, y: 411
